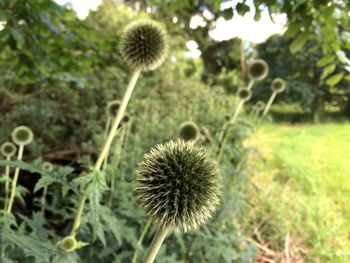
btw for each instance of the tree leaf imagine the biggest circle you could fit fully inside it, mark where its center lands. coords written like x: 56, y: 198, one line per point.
x: 242, y: 8
x: 18, y: 36
x: 227, y: 13
x: 325, y: 60
x: 328, y: 70
x: 299, y: 42
x: 335, y: 79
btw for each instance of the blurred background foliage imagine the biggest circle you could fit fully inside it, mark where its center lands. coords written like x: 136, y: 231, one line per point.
x: 57, y: 74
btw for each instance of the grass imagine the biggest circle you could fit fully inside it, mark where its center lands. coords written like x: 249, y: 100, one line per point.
x: 304, y: 190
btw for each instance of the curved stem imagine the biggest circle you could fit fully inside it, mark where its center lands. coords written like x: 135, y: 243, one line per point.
x: 156, y: 244
x: 15, y: 179
x: 268, y: 105
x: 7, y: 182
x: 139, y: 242
x: 107, y: 144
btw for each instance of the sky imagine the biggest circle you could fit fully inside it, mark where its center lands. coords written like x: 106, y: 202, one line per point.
x: 244, y: 27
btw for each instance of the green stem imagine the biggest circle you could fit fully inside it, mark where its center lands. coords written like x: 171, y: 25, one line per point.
x: 118, y: 151
x: 226, y: 133
x: 43, y: 199
x: 250, y: 85
x: 118, y: 118
x: 268, y: 105
x: 156, y: 244
x: 107, y: 145
x: 15, y: 179
x: 7, y: 182
x: 108, y: 125
x: 78, y: 215
x: 139, y: 242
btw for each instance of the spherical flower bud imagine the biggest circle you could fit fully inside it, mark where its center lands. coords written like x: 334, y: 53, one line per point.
x: 22, y: 135
x: 278, y: 85
x: 258, y: 69
x: 68, y: 244
x: 144, y: 45
x: 244, y: 94
x: 188, y: 130
x: 178, y: 185
x: 8, y: 149
x: 113, y: 108
x: 47, y: 166
x: 260, y: 105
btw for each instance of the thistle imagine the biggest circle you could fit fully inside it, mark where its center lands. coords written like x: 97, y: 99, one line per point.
x: 259, y: 106
x: 22, y: 135
x: 8, y: 149
x: 188, y: 130
x: 67, y: 244
x: 179, y: 188
x: 278, y: 85
x: 143, y: 47
x: 258, y: 70
x: 244, y: 94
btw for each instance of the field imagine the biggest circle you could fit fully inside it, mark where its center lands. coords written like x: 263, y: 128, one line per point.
x: 303, y: 177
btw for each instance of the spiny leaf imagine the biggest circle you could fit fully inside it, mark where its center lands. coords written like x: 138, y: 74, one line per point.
x: 96, y: 186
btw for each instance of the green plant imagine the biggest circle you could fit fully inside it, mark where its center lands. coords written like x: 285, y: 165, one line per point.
x: 144, y: 47
x: 21, y: 135
x: 178, y: 186
x: 8, y: 149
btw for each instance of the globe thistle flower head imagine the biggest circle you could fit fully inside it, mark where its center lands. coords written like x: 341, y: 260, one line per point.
x: 260, y: 105
x: 8, y: 149
x: 47, y: 166
x: 278, y: 85
x: 188, y: 130
x: 258, y: 69
x: 244, y: 94
x: 22, y: 135
x: 113, y: 107
x: 178, y: 185
x: 144, y: 45
x: 68, y: 244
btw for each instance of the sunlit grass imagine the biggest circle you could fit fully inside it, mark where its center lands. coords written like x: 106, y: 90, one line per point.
x: 305, y: 183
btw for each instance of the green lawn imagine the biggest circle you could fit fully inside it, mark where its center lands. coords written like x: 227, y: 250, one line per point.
x: 304, y: 189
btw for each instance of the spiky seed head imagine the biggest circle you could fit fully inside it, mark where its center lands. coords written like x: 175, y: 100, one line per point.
x: 68, y: 244
x: 22, y: 135
x: 278, y: 85
x: 144, y: 45
x: 8, y: 149
x: 113, y: 108
x: 178, y: 185
x: 258, y: 69
x: 47, y: 166
x: 260, y: 105
x: 188, y: 130
x: 244, y: 94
